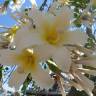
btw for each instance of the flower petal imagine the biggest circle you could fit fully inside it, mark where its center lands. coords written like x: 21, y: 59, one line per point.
x: 39, y: 18
x: 76, y: 85
x: 7, y: 57
x: 17, y: 79
x: 63, y: 17
x: 88, y: 71
x: 44, y: 51
x: 77, y: 38
x: 42, y: 78
x: 87, y: 83
x: 78, y: 47
x: 62, y: 59
x: 25, y: 38
x: 88, y: 61
x: 32, y: 56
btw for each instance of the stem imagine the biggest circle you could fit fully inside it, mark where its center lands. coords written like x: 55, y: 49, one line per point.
x: 61, y: 86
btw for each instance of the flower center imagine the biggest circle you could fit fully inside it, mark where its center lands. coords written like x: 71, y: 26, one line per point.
x: 52, y: 38
x: 55, y: 37
x: 28, y: 59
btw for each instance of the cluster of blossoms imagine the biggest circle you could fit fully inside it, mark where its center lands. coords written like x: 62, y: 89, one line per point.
x: 45, y: 35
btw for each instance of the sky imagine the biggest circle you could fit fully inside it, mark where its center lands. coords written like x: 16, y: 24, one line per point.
x: 6, y: 19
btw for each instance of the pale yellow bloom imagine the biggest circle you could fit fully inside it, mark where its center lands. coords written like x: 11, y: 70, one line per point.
x: 28, y: 61
x: 51, y: 31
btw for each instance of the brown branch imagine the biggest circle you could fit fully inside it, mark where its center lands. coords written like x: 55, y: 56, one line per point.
x: 46, y: 93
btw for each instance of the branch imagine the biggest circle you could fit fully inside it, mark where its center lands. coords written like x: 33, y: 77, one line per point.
x: 42, y: 6
x: 45, y: 93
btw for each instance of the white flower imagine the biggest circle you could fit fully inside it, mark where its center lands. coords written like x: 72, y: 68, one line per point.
x: 51, y: 31
x: 28, y: 62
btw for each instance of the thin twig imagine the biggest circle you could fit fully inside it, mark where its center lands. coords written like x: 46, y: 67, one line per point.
x: 43, y: 93
x: 42, y: 6
x: 61, y: 86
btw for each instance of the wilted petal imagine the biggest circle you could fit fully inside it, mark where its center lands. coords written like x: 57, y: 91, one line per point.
x: 85, y: 81
x: 76, y: 85
x: 88, y: 71
x: 88, y: 61
x: 86, y: 51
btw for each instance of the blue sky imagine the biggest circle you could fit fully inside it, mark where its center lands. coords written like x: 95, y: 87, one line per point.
x: 6, y: 19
